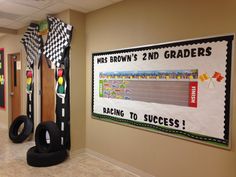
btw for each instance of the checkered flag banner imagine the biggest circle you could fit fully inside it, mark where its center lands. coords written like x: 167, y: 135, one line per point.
x: 59, y: 38
x: 33, y: 43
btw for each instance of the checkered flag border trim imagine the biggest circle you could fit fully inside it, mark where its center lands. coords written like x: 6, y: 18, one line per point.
x: 59, y: 38
x: 33, y: 43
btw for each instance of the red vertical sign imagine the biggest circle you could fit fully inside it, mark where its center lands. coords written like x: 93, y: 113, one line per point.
x: 193, y: 93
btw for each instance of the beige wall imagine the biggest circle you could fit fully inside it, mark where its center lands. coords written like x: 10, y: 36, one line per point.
x: 138, y: 22
x: 77, y: 76
x: 11, y: 44
x: 133, y: 23
x: 78, y: 80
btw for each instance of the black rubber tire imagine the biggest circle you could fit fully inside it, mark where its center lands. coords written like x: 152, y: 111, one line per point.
x: 26, y: 131
x: 55, y: 137
x: 37, y: 159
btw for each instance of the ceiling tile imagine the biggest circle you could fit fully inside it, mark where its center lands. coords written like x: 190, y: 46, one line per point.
x: 17, y: 8
x: 26, y: 20
x: 9, y: 16
x: 115, y: 1
x: 89, y: 5
x: 35, y: 3
x: 57, y: 7
x: 26, y: 11
x: 4, y: 22
x: 75, y: 5
x: 40, y: 15
x: 16, y: 25
x: 2, y: 34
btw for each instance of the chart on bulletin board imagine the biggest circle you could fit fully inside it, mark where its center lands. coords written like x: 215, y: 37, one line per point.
x: 2, y: 80
x: 180, y: 88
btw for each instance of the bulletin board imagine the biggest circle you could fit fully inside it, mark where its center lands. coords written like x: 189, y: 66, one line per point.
x: 180, y: 88
x: 2, y: 79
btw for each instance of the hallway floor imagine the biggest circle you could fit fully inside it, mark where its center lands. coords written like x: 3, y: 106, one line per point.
x: 13, y: 163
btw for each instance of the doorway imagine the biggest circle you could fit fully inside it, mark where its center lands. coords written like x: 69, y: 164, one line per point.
x: 47, y: 92
x: 15, y: 81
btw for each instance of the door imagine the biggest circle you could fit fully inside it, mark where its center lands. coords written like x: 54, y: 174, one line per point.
x: 15, y: 66
x: 48, y: 92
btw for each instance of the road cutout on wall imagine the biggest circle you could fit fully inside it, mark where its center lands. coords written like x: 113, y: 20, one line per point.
x: 179, y: 88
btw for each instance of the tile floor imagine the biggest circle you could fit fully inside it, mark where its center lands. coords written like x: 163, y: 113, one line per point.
x: 13, y: 163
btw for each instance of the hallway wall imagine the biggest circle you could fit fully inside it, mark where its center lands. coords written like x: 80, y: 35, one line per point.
x: 78, y: 80
x: 134, y: 23
x: 11, y: 44
x: 77, y: 77
x: 137, y: 22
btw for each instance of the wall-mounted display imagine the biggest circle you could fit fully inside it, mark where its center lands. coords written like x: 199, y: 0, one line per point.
x: 2, y: 80
x: 178, y: 88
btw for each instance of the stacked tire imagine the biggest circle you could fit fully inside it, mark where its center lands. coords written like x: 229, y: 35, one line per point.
x: 17, y: 134
x: 47, y: 153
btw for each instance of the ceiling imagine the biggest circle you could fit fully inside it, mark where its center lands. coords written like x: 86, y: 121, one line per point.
x: 15, y: 14
x: 2, y: 34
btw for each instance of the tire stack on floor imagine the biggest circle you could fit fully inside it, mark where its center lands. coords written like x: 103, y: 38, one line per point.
x: 18, y: 134
x: 56, y: 50
x: 47, y: 153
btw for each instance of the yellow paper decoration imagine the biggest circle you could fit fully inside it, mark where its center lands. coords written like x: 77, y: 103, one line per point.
x: 201, y: 78
x: 60, y: 80
x: 206, y: 77
x: 29, y: 80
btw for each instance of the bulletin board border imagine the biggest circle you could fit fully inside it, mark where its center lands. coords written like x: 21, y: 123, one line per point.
x: 222, y: 143
x: 163, y: 130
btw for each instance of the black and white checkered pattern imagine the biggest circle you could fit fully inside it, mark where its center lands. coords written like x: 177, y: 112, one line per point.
x: 59, y: 38
x: 33, y: 43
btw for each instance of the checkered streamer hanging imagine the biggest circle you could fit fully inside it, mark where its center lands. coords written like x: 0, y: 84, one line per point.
x: 33, y: 43
x: 59, y: 38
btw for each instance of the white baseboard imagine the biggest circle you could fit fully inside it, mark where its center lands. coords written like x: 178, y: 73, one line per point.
x: 127, y: 167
